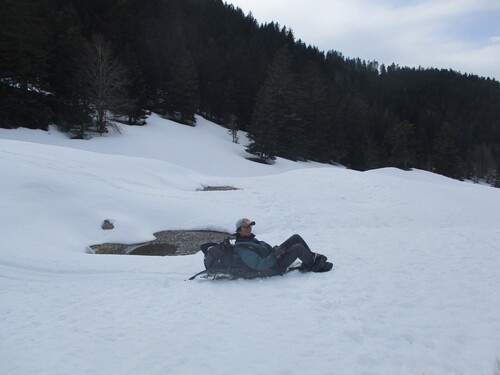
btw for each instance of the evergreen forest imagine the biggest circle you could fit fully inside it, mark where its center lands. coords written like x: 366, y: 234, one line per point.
x: 88, y: 65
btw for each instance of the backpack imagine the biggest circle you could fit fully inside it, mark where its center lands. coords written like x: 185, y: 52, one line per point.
x: 222, y: 262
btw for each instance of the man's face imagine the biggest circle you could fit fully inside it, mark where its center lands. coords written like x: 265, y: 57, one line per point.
x: 245, y: 230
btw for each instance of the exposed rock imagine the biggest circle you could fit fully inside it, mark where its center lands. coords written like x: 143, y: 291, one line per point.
x: 107, y: 225
x: 170, y: 242
x: 158, y: 249
x: 219, y: 188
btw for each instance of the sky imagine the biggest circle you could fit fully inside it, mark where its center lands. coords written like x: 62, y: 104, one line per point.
x: 463, y: 35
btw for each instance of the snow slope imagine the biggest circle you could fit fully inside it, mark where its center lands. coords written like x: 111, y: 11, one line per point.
x: 415, y: 288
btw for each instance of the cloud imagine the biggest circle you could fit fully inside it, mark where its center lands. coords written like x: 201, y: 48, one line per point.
x: 430, y: 33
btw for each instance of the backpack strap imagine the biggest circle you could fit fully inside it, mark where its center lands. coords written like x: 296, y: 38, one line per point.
x: 228, y: 239
x: 204, y: 247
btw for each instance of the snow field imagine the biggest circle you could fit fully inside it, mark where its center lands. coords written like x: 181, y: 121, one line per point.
x: 414, y: 290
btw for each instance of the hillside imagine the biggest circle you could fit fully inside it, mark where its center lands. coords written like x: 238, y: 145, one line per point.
x: 414, y: 288
x: 180, y: 58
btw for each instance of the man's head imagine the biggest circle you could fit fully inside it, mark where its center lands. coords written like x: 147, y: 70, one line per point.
x: 244, y: 227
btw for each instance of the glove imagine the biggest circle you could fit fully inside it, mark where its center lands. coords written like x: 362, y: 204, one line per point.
x: 279, y: 251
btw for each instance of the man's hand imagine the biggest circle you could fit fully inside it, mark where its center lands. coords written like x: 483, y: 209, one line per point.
x: 279, y: 251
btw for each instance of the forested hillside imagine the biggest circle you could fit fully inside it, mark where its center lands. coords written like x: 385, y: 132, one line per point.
x: 85, y: 64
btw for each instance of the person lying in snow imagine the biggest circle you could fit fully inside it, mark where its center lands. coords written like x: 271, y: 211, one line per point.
x: 260, y: 256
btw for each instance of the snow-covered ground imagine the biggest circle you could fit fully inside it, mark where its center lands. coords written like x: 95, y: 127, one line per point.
x: 415, y: 287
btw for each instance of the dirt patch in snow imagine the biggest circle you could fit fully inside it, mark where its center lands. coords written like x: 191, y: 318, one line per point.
x: 170, y: 242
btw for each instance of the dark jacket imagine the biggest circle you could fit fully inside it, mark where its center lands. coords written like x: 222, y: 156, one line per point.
x: 258, y: 255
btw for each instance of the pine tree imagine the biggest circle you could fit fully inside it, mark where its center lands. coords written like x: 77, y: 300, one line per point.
x: 137, y: 91
x: 349, y: 131
x: 497, y: 177
x: 25, y: 48
x: 68, y: 42
x: 400, y: 138
x: 25, y: 52
x: 445, y: 156
x: 183, y: 97
x: 212, y: 82
x: 273, y: 123
x: 229, y: 107
x: 312, y: 106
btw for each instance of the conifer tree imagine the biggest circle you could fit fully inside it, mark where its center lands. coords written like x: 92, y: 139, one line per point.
x: 230, y: 107
x: 183, y: 96
x: 212, y: 84
x: 349, y: 128
x: 68, y: 42
x: 497, y: 177
x: 25, y: 52
x: 273, y: 123
x: 312, y: 105
x: 445, y: 157
x: 25, y: 48
x: 401, y: 140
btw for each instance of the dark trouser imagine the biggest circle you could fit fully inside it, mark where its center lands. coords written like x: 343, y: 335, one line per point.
x: 295, y: 247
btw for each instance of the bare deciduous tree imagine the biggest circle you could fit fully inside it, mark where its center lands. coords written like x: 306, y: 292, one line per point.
x: 233, y: 127
x: 105, y: 80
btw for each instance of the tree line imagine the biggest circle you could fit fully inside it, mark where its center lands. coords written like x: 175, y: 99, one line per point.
x: 87, y: 64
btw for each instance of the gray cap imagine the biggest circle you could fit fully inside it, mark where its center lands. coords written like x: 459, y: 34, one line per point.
x: 242, y: 222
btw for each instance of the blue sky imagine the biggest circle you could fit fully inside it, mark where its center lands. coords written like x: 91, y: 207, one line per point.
x: 463, y: 35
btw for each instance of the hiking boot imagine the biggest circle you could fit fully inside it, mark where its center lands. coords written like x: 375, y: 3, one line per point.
x: 320, y: 264
x: 327, y: 266
x: 319, y: 258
